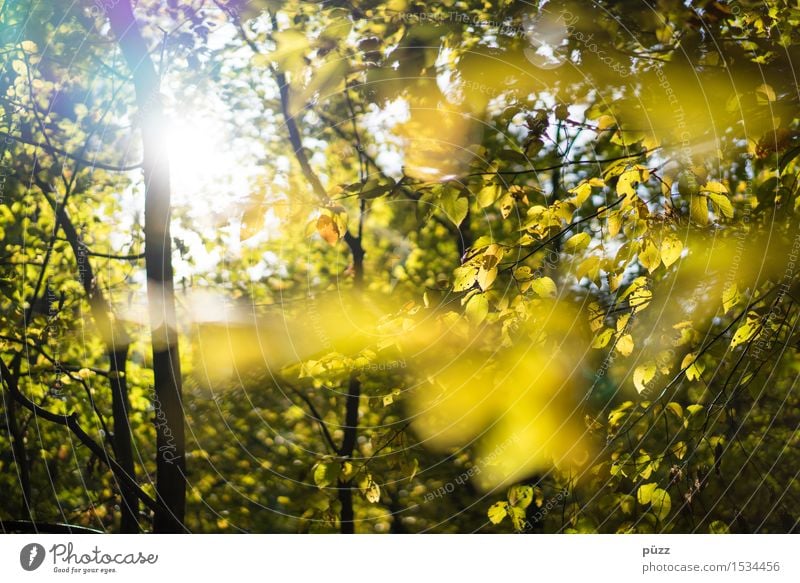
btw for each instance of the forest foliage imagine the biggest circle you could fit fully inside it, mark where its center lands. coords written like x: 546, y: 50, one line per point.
x: 462, y: 266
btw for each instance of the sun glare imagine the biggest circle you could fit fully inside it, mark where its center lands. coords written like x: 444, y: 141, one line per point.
x: 198, y: 158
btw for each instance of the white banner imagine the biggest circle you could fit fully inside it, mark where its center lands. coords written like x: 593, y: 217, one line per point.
x: 390, y: 559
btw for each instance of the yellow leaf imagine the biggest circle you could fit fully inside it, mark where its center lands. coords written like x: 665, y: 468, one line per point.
x: 596, y: 317
x: 373, y: 493
x: 693, y: 368
x: 252, y: 221
x: 520, y: 496
x: 331, y: 224
x: 544, y: 287
x: 464, y: 277
x: 675, y: 409
x: 506, y: 205
x: 635, y: 285
x: 645, y: 492
x: 730, y: 297
x: 614, y: 223
x: 671, y: 249
x: 326, y: 473
x: 649, y: 256
x: 666, y: 185
x: 715, y: 187
x: 601, y: 340
x: 477, y: 308
x: 581, y: 192
x: 699, y: 209
x: 640, y: 299
x: 523, y: 273
x: 746, y: 331
x: 643, y: 374
x: 590, y: 267
x: 722, y: 204
x: 327, y: 229
x: 488, y: 195
x: 486, y: 277
x: 517, y: 517
x: 622, y: 322
x: 660, y: 503
x: 765, y: 94
x: 497, y: 512
x: 614, y: 280
x: 628, y: 180
x: 625, y: 345
x: 577, y: 242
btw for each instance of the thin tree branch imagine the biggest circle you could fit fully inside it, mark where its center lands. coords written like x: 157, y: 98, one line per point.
x: 71, y: 422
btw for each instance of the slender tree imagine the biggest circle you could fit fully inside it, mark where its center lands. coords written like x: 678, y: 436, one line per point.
x: 170, y: 431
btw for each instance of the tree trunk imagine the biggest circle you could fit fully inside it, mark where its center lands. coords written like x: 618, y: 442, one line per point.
x: 117, y: 343
x: 346, y: 519
x: 120, y: 407
x: 170, y: 440
x: 20, y: 457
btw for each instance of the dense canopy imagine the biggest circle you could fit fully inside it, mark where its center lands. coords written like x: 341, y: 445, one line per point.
x: 398, y: 266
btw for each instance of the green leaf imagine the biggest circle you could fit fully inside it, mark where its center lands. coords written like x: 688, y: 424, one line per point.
x: 718, y: 527
x: 464, y: 277
x: 695, y: 416
x: 645, y: 492
x: 520, y: 496
x: 517, y: 515
x: 454, y: 206
x: 489, y: 194
x: 626, y: 503
x: 477, y: 309
x: 372, y: 189
x: 790, y: 155
x: 326, y: 473
x: 544, y: 287
x: 660, y: 503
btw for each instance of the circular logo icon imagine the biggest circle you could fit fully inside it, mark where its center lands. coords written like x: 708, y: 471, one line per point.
x: 31, y: 556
